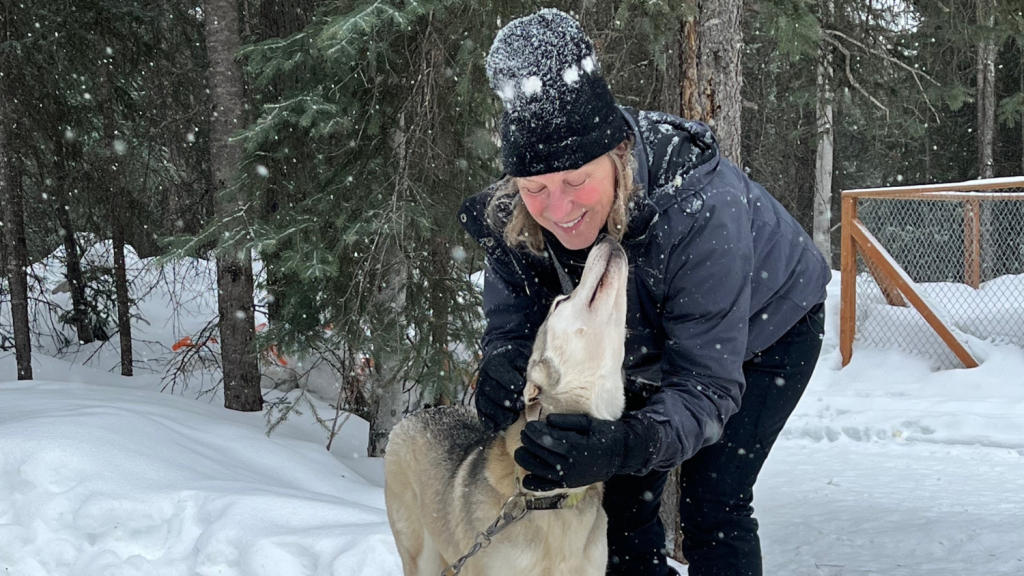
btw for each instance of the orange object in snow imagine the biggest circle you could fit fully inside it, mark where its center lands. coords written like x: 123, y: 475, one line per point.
x: 185, y: 342
x: 276, y: 355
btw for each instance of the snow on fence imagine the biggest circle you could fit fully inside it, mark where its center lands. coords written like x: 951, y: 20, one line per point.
x: 929, y: 269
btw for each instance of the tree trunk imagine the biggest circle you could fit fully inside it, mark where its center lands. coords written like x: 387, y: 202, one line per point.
x: 986, y: 92
x: 387, y: 401
x: 112, y: 195
x: 387, y: 407
x: 986, y: 109
x: 237, y: 335
x: 440, y: 255
x: 17, y: 253
x: 669, y: 514
x: 712, y: 71
x: 822, y: 228
x: 124, y: 318
x: 234, y: 265
x: 387, y: 398
x: 73, y: 267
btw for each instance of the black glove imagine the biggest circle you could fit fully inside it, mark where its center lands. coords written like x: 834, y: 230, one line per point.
x: 571, y: 450
x: 499, y: 388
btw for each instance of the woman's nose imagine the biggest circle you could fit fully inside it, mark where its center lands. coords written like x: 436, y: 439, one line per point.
x: 560, y: 204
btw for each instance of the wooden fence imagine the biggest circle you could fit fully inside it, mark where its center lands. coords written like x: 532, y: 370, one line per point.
x: 898, y: 288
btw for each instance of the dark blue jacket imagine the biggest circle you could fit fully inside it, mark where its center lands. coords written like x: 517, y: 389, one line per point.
x: 719, y: 271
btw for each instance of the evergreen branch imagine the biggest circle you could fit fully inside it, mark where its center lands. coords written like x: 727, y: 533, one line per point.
x: 342, y: 29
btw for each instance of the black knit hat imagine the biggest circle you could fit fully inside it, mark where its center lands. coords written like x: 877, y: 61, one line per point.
x: 559, y: 113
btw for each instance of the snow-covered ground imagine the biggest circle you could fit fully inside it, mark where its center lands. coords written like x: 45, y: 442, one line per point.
x: 886, y: 468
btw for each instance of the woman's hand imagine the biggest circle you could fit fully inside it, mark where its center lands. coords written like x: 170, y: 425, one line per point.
x: 499, y: 388
x: 572, y: 450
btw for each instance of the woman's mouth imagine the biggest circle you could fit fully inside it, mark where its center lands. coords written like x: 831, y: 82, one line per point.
x: 571, y: 224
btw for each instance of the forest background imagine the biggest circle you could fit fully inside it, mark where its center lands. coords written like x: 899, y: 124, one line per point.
x: 327, y: 145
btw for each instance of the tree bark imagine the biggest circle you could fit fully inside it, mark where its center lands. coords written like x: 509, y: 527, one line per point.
x: 986, y: 109
x: 712, y: 71
x: 17, y: 253
x: 986, y: 92
x: 387, y: 402
x: 387, y: 407
x: 124, y: 318
x: 440, y: 256
x: 111, y: 194
x: 387, y: 398
x: 12, y: 198
x: 234, y: 265
x: 73, y: 264
x: 822, y: 227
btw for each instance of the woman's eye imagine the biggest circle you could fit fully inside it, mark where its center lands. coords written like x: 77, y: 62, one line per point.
x: 576, y: 184
x: 532, y: 192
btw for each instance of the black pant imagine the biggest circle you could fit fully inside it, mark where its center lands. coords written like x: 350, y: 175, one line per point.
x: 719, y: 531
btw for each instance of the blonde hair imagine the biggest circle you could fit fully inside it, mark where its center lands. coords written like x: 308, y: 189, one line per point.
x: 508, y: 214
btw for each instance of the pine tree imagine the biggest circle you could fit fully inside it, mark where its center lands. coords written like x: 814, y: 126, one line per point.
x: 379, y: 131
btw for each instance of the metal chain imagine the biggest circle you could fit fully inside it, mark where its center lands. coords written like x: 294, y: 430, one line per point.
x: 513, y: 510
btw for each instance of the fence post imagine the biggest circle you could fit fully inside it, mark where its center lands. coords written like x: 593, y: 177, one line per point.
x: 848, y: 286
x: 972, y: 243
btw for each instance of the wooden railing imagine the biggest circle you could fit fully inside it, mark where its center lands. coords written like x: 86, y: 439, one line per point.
x: 896, y: 285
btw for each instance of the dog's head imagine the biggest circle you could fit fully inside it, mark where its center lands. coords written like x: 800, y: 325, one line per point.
x: 576, y: 365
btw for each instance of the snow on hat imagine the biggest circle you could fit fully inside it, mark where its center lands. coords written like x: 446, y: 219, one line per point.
x: 559, y: 112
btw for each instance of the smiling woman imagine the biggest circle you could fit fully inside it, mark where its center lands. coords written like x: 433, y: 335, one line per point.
x: 723, y: 301
x: 600, y: 190
x: 573, y: 205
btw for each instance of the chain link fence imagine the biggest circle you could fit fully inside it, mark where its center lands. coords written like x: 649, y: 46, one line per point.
x: 964, y: 253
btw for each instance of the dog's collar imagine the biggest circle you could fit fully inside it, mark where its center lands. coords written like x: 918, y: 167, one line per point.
x: 560, y: 501
x: 553, y: 502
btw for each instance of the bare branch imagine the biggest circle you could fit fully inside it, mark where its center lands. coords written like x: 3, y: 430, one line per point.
x: 882, y: 54
x: 915, y: 73
x: 853, y: 82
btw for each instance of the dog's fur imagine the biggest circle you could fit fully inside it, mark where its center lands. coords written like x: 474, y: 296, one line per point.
x: 446, y: 478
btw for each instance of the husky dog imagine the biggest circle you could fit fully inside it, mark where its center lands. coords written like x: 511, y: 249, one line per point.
x: 447, y: 478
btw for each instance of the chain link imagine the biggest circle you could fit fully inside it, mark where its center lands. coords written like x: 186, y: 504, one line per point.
x: 967, y: 259
x: 513, y: 510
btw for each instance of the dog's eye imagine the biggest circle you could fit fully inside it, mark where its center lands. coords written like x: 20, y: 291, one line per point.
x: 559, y: 300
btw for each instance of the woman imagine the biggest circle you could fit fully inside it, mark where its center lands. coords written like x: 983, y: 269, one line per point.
x: 725, y: 316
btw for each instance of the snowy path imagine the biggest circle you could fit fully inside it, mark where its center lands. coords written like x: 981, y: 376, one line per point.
x: 857, y: 509
x: 97, y: 480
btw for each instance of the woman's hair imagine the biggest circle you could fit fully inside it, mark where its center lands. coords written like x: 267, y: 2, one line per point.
x: 521, y: 230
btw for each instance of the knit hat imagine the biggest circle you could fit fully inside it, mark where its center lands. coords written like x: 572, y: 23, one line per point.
x: 559, y: 113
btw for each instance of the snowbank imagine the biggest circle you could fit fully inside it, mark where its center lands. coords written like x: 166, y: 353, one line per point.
x: 112, y: 480
x: 886, y: 468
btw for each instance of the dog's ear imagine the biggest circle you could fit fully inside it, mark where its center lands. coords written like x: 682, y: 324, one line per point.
x: 532, y: 395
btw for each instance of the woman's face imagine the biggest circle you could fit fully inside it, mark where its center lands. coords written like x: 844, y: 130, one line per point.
x: 573, y: 205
